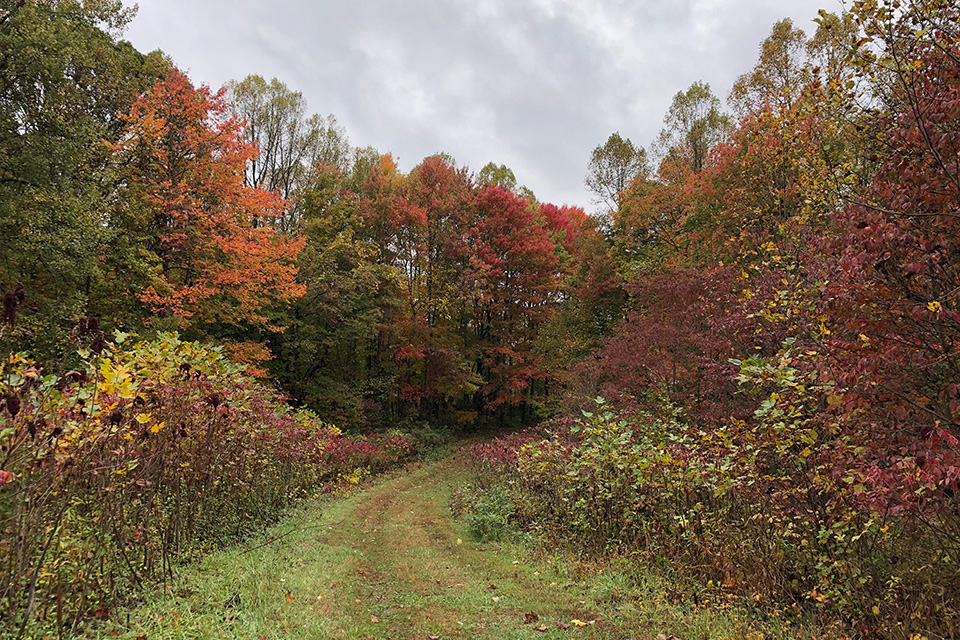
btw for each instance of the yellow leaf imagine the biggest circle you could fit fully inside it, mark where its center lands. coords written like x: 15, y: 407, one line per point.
x: 127, y: 389
x: 835, y: 400
x: 143, y: 417
x: 579, y: 623
x: 155, y: 428
x: 876, y: 610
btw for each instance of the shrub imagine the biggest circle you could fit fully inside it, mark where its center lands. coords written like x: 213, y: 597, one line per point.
x: 490, y: 515
x: 155, y: 451
x: 752, y: 511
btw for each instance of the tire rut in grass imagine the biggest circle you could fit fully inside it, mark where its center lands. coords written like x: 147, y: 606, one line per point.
x: 407, y: 559
x: 418, y: 579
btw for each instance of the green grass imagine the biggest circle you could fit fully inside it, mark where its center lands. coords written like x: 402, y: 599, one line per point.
x: 390, y: 562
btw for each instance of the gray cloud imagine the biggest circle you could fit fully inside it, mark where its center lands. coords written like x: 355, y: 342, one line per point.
x: 534, y: 84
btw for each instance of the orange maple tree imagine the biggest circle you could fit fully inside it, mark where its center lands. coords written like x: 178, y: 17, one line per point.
x: 218, y: 259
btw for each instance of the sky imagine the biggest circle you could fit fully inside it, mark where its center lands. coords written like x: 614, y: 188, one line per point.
x: 532, y: 84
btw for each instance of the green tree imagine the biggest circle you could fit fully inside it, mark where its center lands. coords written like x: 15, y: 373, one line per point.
x: 612, y: 167
x: 274, y: 118
x: 327, y: 357
x: 289, y: 141
x: 778, y: 77
x: 330, y: 146
x: 694, y: 124
x: 64, y: 77
x: 498, y: 176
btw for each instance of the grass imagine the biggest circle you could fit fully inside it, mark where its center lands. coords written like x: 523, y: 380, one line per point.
x: 390, y: 562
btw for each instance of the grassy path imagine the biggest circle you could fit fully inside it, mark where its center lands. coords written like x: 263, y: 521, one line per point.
x: 389, y: 562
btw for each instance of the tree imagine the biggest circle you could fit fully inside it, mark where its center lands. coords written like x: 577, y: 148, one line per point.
x: 216, y: 272
x: 510, y: 281
x: 613, y: 166
x: 498, y: 176
x: 327, y: 356
x: 273, y: 118
x: 670, y: 344
x: 778, y: 77
x: 590, y: 297
x: 63, y: 79
x: 417, y: 221
x: 442, y: 192
x: 889, y: 294
x: 330, y: 146
x: 289, y: 142
x: 694, y: 124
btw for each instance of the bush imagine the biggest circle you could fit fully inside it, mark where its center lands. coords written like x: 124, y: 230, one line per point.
x: 737, y: 513
x: 157, y: 450
x: 490, y: 515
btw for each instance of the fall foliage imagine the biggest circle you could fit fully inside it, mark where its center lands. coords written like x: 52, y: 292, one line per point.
x: 767, y: 307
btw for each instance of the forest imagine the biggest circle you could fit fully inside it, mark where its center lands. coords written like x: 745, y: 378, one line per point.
x: 742, y: 371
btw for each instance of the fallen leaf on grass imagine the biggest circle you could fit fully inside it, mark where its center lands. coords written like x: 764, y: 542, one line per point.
x: 492, y: 587
x: 543, y: 628
x: 530, y: 618
x: 433, y: 637
x: 374, y: 619
x: 496, y: 598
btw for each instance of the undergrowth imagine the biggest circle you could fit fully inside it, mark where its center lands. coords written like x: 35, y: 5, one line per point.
x: 770, y: 530
x: 153, y: 453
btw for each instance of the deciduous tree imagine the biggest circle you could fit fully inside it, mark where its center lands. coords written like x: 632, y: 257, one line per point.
x: 694, y: 124
x: 613, y: 166
x: 63, y: 78
x: 185, y: 161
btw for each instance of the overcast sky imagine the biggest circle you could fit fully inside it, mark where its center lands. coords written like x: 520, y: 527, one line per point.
x: 533, y: 84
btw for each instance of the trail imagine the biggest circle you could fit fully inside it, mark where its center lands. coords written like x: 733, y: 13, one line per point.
x: 386, y: 562
x: 420, y: 576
